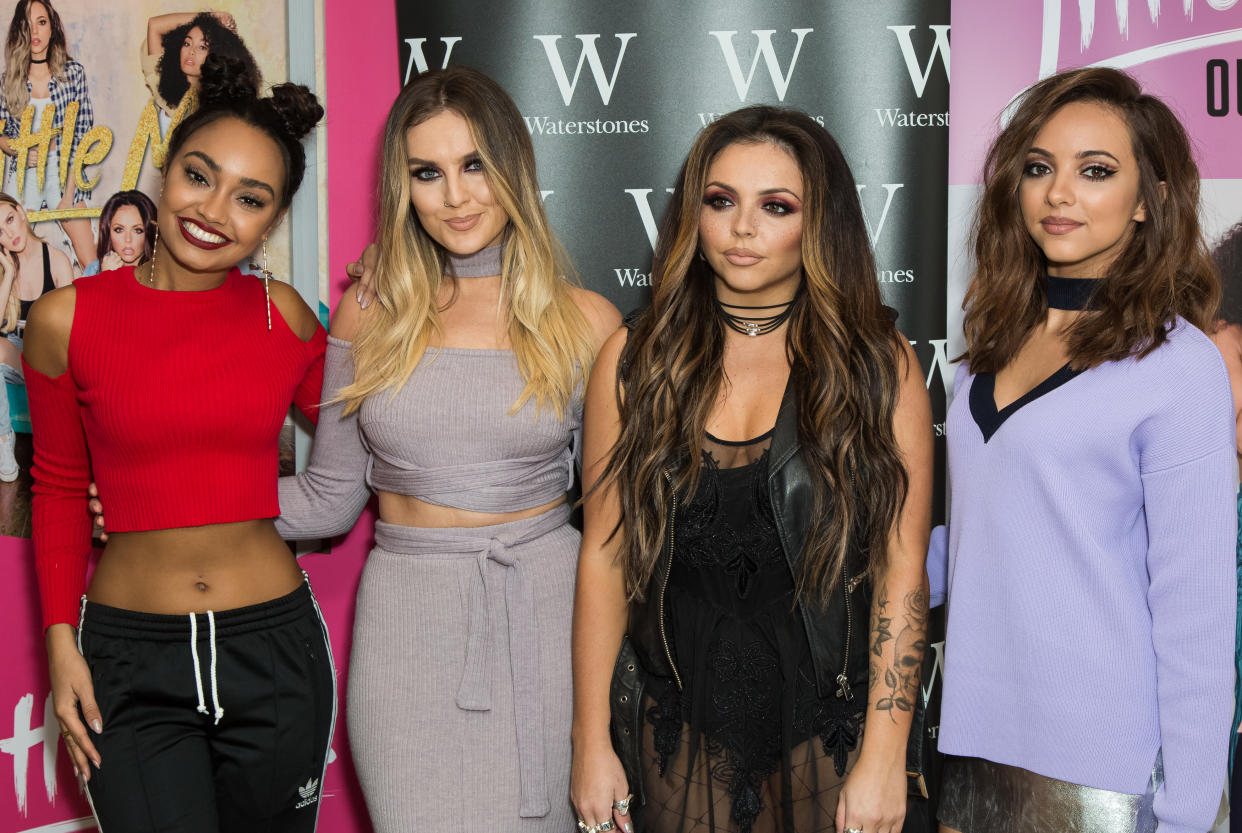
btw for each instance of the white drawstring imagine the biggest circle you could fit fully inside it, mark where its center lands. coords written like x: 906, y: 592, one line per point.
x: 198, y: 674
x: 215, y: 695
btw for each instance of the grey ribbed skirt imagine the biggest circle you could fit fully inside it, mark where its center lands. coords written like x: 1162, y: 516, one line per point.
x: 460, y: 688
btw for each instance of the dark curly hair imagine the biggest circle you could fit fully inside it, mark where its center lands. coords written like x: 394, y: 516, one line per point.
x: 173, y: 83
x: 228, y: 89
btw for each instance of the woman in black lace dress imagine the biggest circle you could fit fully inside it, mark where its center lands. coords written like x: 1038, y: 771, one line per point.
x: 759, y: 439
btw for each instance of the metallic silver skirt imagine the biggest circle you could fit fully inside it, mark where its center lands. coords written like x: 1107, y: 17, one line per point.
x: 978, y: 796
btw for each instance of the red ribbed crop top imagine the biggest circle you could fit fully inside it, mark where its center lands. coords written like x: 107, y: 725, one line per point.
x: 173, y: 402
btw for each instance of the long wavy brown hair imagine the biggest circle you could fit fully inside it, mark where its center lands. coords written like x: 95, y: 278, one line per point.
x: 1164, y: 270
x: 845, y: 364
x: 17, y: 55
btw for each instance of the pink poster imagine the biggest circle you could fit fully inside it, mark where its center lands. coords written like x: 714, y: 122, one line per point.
x: 38, y: 792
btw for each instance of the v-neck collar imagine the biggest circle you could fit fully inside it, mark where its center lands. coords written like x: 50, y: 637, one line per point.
x: 983, y: 408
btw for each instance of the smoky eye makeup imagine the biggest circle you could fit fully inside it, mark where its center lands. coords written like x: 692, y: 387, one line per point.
x: 717, y: 198
x: 779, y: 207
x: 424, y: 173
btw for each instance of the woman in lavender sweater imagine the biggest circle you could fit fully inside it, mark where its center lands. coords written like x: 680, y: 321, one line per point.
x: 1088, y: 665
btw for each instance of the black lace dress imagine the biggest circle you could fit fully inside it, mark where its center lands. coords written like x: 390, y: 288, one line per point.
x: 746, y: 745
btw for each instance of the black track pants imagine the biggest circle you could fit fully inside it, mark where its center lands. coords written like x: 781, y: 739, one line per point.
x: 214, y: 722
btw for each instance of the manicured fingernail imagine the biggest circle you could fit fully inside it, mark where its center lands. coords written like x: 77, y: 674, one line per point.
x: 358, y: 297
x: 628, y: 828
x: 97, y: 725
x: 364, y: 304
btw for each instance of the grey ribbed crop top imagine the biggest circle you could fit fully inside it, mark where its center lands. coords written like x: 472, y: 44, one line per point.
x: 446, y: 438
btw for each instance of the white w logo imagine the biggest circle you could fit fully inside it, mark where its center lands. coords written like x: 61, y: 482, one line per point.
x: 642, y: 201
x: 780, y: 80
x: 419, y: 61
x: 919, y: 75
x: 589, y: 55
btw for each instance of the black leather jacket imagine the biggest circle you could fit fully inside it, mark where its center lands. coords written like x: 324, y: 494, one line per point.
x: 837, y: 633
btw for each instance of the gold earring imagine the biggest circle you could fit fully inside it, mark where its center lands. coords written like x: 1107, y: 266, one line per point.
x: 267, y: 295
x: 155, y: 250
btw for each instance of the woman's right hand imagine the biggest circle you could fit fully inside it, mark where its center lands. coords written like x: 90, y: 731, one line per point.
x: 110, y: 261
x: 226, y: 20
x: 363, y: 271
x: 72, y: 689
x: 596, y: 783
x: 6, y: 146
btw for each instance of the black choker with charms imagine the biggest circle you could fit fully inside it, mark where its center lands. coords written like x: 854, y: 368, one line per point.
x: 744, y: 319
x: 1070, y: 293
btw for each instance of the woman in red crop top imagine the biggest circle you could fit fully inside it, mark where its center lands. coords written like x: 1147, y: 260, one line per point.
x: 200, y: 662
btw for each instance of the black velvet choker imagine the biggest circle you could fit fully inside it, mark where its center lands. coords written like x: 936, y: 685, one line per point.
x: 1069, y: 293
x: 38, y: 60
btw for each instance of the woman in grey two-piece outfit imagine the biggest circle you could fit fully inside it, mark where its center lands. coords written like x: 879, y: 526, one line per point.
x: 456, y: 395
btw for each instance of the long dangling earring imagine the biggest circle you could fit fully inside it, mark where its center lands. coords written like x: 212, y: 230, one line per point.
x: 155, y: 250
x: 267, y: 295
x: 155, y: 247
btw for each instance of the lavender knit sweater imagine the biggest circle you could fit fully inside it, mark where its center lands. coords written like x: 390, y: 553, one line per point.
x: 1091, y: 587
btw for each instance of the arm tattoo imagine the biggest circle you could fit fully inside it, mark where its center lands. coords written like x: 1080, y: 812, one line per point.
x: 899, y: 680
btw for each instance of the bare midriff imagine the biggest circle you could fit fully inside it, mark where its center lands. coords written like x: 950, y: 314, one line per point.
x: 404, y: 510
x: 195, y: 569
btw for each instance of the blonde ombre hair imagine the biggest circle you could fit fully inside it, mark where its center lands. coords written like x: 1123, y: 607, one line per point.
x: 549, y: 335
x: 11, y: 308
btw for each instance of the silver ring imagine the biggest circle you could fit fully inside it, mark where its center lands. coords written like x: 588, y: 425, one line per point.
x: 587, y: 828
x: 623, y: 804
x: 853, y: 830
x: 605, y: 826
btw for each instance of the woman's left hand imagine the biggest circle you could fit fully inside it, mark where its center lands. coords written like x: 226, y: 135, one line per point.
x: 873, y: 799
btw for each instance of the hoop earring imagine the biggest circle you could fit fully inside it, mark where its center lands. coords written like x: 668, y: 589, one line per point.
x: 267, y: 295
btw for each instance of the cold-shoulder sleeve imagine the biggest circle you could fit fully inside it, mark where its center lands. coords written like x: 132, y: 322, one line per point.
x: 326, y: 499
x: 62, y: 471
x: 306, y: 397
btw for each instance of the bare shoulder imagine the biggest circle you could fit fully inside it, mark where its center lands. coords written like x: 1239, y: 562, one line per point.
x: 349, y: 315
x: 599, y: 312
x: 609, y: 356
x: 912, y: 383
x: 1228, y: 339
x: 62, y: 267
x: 46, y: 342
x: 297, y: 314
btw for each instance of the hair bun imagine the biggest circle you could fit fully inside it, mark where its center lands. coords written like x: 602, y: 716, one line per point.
x: 227, y: 80
x: 296, y: 107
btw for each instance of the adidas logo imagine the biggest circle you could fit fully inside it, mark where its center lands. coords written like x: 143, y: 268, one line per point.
x: 308, y: 792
